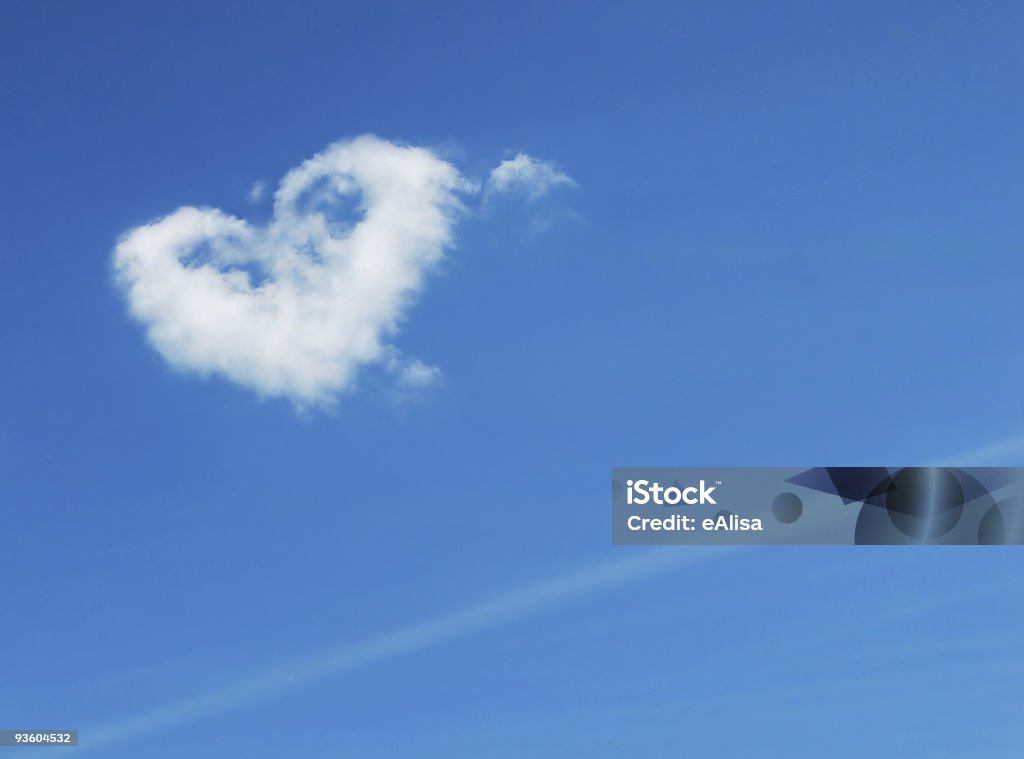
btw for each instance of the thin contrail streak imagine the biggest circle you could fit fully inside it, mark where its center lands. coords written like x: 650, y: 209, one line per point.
x: 404, y: 640
x: 1000, y: 450
x: 499, y: 610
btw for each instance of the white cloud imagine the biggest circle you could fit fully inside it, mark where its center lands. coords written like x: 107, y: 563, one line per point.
x: 527, y: 175
x: 295, y: 308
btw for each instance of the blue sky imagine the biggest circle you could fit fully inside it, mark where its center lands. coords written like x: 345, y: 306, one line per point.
x: 794, y: 240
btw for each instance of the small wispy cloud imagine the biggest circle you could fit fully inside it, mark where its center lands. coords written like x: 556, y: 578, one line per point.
x: 257, y: 191
x: 527, y: 175
x: 415, y: 374
x: 296, y: 307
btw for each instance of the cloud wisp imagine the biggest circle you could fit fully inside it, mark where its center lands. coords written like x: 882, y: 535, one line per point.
x: 295, y: 308
x: 257, y: 191
x: 527, y: 175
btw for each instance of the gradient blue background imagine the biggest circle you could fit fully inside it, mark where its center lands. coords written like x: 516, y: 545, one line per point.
x: 796, y: 241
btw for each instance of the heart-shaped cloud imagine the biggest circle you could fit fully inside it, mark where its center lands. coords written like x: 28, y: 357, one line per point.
x: 295, y: 307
